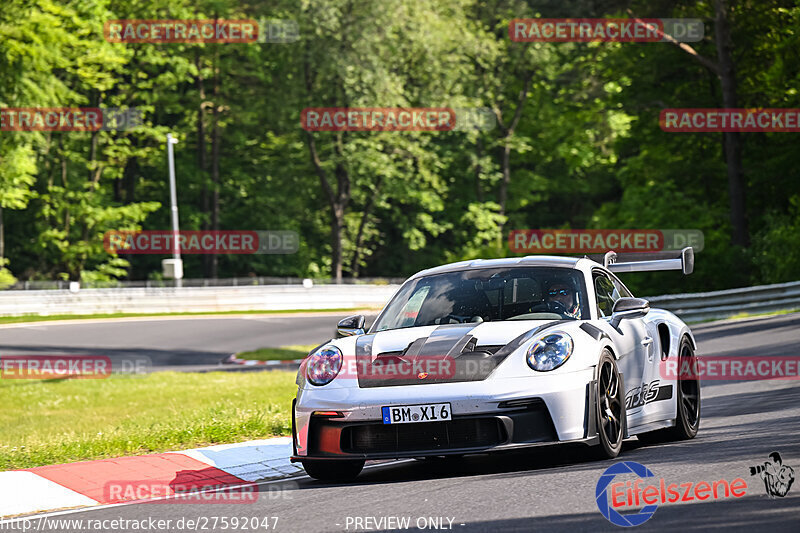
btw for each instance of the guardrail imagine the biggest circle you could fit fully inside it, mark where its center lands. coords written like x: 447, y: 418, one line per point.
x: 247, y: 281
x: 714, y: 305
x: 193, y: 299
x: 690, y: 307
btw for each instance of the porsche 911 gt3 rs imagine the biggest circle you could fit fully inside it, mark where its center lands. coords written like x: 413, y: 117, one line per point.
x: 491, y: 355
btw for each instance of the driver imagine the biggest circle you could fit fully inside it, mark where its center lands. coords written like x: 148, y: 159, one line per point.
x: 560, y: 295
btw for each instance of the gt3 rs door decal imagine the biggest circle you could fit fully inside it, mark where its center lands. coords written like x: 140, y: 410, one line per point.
x: 647, y: 393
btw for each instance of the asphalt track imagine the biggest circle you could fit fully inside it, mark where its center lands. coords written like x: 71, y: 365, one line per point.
x: 170, y: 343
x: 193, y: 343
x: 550, y: 489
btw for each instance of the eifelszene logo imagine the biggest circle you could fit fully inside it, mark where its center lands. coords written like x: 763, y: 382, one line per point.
x: 630, y: 495
x: 607, y: 508
x: 778, y: 477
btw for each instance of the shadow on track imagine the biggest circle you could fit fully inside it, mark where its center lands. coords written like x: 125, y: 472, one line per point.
x: 754, y: 440
x: 497, y: 464
x: 747, y: 514
x: 158, y: 357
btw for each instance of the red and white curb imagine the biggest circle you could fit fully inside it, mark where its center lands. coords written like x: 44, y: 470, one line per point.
x: 233, y: 360
x: 46, y: 488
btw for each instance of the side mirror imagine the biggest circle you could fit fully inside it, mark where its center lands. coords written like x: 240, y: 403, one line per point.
x: 626, y: 308
x: 352, y: 325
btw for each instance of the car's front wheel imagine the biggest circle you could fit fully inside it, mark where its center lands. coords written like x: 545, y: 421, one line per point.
x: 333, y: 470
x: 609, y: 409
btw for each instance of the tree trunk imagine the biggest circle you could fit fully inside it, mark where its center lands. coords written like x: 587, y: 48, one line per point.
x: 478, y: 170
x: 508, y: 133
x: 354, y: 265
x: 2, y: 239
x: 339, y: 206
x: 215, y: 142
x: 118, y: 187
x: 337, y: 201
x: 506, y: 165
x: 92, y: 154
x: 131, y: 173
x: 337, y: 222
x: 731, y: 140
x: 201, y: 158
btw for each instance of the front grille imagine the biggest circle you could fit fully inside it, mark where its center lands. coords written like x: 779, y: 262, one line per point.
x: 453, y: 434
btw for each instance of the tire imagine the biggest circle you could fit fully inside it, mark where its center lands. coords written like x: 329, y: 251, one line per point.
x: 333, y: 470
x: 609, y: 409
x: 688, y: 404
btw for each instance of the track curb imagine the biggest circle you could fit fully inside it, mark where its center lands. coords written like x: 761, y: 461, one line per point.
x: 187, y: 476
x: 284, y: 363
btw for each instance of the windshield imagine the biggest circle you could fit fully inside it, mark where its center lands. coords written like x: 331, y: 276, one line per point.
x: 487, y: 295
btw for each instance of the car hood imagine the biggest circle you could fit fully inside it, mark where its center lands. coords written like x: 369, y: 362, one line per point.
x: 439, y: 354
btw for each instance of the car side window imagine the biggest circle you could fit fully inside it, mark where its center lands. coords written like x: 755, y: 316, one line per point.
x: 606, y: 293
x: 411, y: 310
x: 624, y: 292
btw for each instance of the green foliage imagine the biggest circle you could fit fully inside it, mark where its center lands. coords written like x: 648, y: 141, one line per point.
x: 776, y: 247
x: 7, y: 279
x: 587, y: 151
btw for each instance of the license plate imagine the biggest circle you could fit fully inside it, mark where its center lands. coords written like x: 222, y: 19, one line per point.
x: 409, y: 414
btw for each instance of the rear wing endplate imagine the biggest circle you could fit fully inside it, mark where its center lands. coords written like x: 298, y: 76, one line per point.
x: 682, y: 260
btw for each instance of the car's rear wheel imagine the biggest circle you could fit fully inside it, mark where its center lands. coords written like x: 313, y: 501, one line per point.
x: 333, y: 470
x: 609, y: 409
x: 688, y: 401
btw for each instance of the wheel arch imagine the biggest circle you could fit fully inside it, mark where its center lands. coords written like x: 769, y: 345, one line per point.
x: 610, y: 347
x: 688, y: 335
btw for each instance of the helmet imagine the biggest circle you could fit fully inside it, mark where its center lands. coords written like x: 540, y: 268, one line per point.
x: 561, y: 296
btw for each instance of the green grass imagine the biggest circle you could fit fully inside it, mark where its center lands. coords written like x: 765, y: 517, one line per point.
x: 768, y: 313
x: 60, y: 421
x: 739, y: 316
x: 271, y: 354
x: 41, y: 318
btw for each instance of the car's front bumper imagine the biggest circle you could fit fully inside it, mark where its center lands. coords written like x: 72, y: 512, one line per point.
x: 493, y: 414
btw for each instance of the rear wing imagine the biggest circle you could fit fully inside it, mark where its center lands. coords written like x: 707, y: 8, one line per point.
x: 682, y: 260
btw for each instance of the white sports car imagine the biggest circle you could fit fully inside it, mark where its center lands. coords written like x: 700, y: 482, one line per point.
x: 499, y: 354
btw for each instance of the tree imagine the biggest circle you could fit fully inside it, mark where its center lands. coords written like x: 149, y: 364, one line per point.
x: 725, y: 70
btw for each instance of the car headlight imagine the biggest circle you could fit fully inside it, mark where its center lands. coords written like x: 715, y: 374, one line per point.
x: 550, y: 352
x: 324, y: 364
